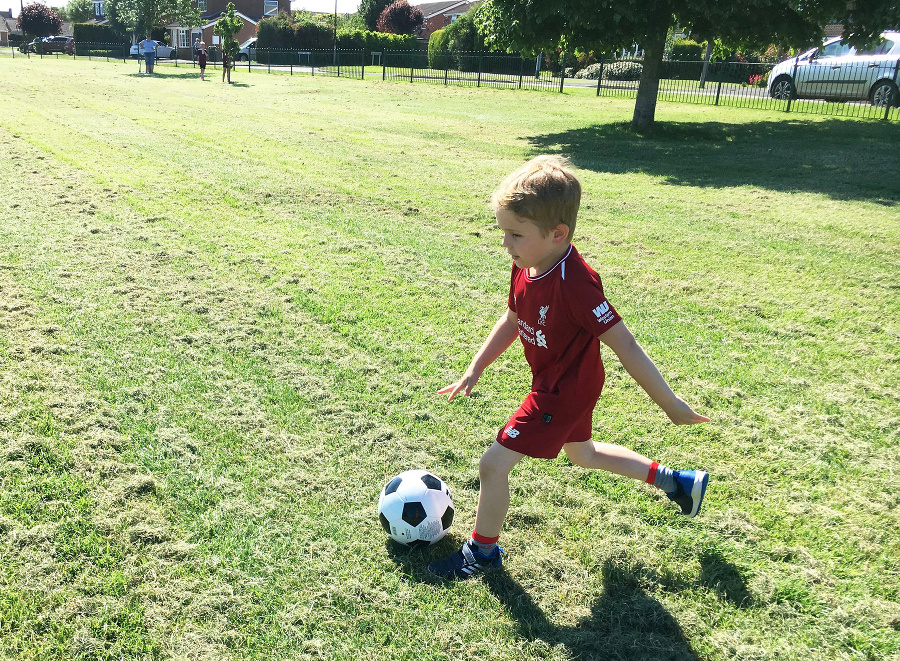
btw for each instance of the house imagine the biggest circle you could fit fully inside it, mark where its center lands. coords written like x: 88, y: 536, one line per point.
x: 251, y: 12
x: 439, y: 15
x: 8, y: 26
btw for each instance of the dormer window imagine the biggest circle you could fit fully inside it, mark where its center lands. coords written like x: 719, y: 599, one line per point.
x: 201, y: 5
x: 271, y: 7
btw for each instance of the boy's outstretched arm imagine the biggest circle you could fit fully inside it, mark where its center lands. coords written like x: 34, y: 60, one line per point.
x: 644, y: 372
x: 504, y: 333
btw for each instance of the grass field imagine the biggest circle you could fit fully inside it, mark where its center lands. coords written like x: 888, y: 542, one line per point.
x: 225, y: 311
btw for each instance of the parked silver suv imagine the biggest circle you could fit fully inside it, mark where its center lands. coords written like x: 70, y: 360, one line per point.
x: 837, y: 71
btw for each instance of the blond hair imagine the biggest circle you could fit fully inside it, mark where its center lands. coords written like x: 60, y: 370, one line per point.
x: 543, y: 190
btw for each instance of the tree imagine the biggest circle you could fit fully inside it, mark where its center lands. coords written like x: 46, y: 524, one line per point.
x: 399, y: 18
x: 228, y: 25
x: 39, y: 20
x: 79, y: 11
x: 142, y: 16
x: 463, y: 35
x: 370, y: 10
x: 607, y: 25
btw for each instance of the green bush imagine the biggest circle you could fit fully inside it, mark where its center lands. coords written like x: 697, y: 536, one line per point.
x: 623, y: 71
x: 591, y: 72
x: 275, y: 32
x: 688, y: 50
x: 462, y: 35
x: 91, y: 33
x: 438, y: 57
x: 376, y: 41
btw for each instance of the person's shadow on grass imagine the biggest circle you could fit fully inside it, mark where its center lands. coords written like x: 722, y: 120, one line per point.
x: 625, y: 622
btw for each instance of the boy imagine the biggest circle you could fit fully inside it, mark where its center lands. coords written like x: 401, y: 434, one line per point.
x: 201, y: 59
x: 557, y: 308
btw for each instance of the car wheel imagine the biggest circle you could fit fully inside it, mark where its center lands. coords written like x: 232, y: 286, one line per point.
x: 783, y: 88
x: 241, y: 57
x: 884, y: 94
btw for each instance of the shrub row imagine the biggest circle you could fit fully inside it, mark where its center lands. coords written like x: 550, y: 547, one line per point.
x: 283, y: 32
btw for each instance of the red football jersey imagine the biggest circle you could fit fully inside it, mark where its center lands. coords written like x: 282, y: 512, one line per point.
x: 561, y: 313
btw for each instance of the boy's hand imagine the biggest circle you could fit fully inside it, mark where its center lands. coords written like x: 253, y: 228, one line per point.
x: 464, y: 386
x: 682, y: 414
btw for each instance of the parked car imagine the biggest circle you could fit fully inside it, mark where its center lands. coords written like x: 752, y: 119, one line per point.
x: 247, y: 51
x: 838, y: 71
x: 161, y: 50
x: 59, y: 44
x: 35, y: 45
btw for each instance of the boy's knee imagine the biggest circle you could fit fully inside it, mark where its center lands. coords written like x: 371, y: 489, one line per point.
x: 497, y: 462
x: 487, y: 466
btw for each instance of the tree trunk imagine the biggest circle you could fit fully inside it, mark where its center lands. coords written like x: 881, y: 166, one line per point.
x: 706, y: 58
x: 648, y: 88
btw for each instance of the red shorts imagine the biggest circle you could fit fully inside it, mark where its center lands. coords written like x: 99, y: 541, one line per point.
x: 544, y: 423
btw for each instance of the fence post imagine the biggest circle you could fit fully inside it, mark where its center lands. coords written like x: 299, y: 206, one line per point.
x: 562, y: 72
x: 411, y: 67
x: 887, y: 106
x: 719, y: 86
x: 362, y: 57
x: 337, y: 60
x: 521, y: 69
x: 446, y: 68
x: 600, y: 76
x: 384, y: 65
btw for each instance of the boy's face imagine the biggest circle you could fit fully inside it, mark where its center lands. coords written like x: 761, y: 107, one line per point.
x: 527, y: 245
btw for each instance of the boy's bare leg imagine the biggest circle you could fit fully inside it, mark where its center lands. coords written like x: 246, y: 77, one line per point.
x: 493, y: 496
x: 686, y: 487
x: 606, y: 456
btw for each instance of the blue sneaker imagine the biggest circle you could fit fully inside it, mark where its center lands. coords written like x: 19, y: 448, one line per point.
x: 465, y: 563
x: 690, y: 491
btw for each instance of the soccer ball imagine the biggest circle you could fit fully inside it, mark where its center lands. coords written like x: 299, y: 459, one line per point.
x: 415, y: 508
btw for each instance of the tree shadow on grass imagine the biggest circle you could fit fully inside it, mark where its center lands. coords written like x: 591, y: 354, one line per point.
x: 844, y: 159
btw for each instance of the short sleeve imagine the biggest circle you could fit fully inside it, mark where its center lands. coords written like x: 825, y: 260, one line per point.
x: 511, y: 299
x: 590, y: 308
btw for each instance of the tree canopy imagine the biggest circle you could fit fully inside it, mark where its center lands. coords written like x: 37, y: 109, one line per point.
x: 39, y: 20
x: 370, y: 10
x: 607, y: 25
x: 400, y: 18
x: 79, y: 11
x: 142, y: 16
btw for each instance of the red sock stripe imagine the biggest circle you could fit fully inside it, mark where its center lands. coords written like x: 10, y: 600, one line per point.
x: 481, y: 539
x: 651, y: 476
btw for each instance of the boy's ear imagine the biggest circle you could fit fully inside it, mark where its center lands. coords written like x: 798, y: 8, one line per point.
x: 560, y: 233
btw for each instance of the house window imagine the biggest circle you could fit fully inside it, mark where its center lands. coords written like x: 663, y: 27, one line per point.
x: 184, y: 38
x: 271, y: 7
x: 98, y: 8
x: 201, y: 5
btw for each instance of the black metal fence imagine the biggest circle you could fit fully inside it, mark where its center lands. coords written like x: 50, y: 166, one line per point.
x: 867, y: 89
x: 472, y: 70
